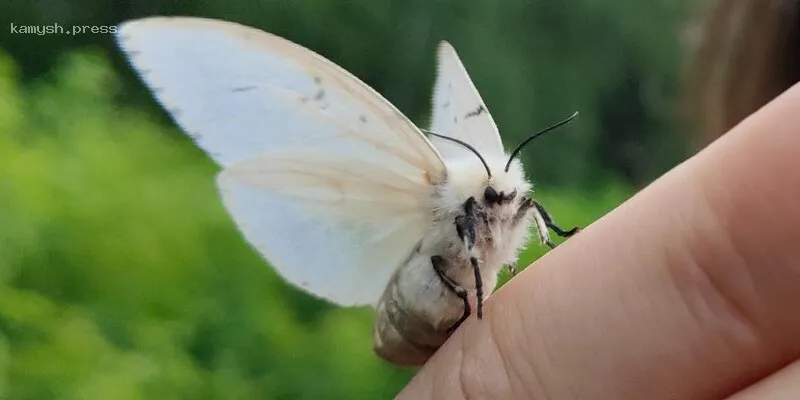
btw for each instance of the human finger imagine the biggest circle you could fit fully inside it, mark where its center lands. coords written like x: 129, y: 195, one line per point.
x: 688, y: 290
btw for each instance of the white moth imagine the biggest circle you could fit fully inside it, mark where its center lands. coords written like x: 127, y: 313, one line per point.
x: 336, y: 188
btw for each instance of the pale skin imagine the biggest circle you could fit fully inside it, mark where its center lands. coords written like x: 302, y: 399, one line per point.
x: 690, y: 290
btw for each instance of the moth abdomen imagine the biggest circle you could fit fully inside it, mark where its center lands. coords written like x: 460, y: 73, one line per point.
x: 404, y: 335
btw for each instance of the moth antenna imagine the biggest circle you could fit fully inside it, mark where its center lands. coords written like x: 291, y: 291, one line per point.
x: 535, y: 135
x: 465, y: 144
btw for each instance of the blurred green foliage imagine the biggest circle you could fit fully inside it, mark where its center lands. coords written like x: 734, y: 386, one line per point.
x: 121, y: 276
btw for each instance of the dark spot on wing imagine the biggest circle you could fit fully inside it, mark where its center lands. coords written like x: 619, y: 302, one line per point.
x: 243, y: 88
x: 317, y: 80
x: 304, y: 99
x: 478, y: 111
x: 445, y: 105
x: 320, y: 95
x: 363, y: 119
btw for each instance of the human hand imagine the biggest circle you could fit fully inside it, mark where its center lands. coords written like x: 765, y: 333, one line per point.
x: 690, y: 290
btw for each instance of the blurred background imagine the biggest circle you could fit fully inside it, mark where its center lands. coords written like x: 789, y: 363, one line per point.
x: 121, y: 277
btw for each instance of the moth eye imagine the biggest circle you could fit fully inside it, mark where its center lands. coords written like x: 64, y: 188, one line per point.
x: 490, y: 195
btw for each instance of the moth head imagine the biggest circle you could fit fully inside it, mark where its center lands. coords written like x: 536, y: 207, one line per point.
x: 504, y: 187
x: 503, y: 179
x: 492, y: 197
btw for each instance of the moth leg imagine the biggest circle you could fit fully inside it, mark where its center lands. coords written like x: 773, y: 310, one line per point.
x: 525, y: 204
x: 465, y: 223
x: 548, y: 219
x: 512, y: 269
x: 540, y: 221
x: 478, y: 285
x: 465, y: 227
x: 439, y: 265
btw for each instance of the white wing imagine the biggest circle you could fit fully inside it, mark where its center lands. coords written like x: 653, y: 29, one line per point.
x: 325, y: 177
x: 337, y: 228
x: 459, y: 111
x: 239, y: 91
